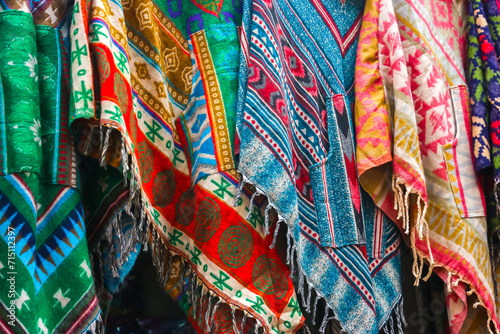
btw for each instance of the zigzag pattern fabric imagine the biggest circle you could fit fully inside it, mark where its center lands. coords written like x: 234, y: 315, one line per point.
x: 412, y: 94
x: 296, y: 134
x: 160, y: 79
x: 46, y: 281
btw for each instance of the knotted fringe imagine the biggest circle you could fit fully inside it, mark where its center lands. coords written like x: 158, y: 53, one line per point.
x: 142, y: 233
x: 204, y: 302
x: 304, y: 330
x: 243, y: 322
x: 450, y: 284
x: 453, y: 280
x: 104, y: 147
x: 496, y: 189
x: 402, y: 192
x: 402, y: 203
x: 326, y: 319
x: 305, y: 288
x: 98, y: 138
x: 257, y: 193
x: 96, y: 326
x: 396, y: 321
x: 126, y: 246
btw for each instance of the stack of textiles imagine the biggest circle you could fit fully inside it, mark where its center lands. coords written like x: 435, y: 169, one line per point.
x: 273, y: 156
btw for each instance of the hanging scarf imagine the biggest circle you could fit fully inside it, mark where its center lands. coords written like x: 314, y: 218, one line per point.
x: 46, y: 280
x: 295, y: 128
x: 158, y: 81
x: 412, y: 95
x: 484, y: 79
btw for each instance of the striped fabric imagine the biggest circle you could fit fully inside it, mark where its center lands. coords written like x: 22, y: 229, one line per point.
x: 296, y: 133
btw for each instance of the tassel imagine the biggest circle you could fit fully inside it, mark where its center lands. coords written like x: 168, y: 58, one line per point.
x: 104, y: 147
x: 325, y: 321
x: 200, y: 304
x: 256, y: 330
x: 288, y: 248
x: 255, y: 194
x: 208, y: 313
x: 292, y: 264
x: 269, y: 207
x: 398, y: 318
x: 233, y: 315
x: 489, y: 326
x: 88, y: 140
x: 212, y: 316
x: 402, y: 314
x: 275, y: 236
x: 125, y: 166
x: 308, y: 303
x: 237, y: 196
x: 496, y: 189
x: 301, y: 287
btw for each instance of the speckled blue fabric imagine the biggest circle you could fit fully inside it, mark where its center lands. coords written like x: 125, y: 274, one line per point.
x: 296, y: 146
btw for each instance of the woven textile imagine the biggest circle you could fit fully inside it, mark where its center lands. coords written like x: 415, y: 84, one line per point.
x: 110, y: 220
x: 484, y: 80
x: 295, y: 128
x: 46, y: 280
x: 414, y: 52
x: 483, y: 75
x: 157, y: 82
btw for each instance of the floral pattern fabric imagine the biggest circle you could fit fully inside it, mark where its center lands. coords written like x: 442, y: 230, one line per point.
x: 156, y: 81
x: 47, y: 283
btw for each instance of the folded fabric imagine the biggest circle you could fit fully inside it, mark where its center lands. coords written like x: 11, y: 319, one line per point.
x: 413, y: 135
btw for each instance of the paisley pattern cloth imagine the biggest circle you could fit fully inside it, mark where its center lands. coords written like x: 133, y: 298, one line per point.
x: 46, y: 281
x: 415, y: 53
x: 154, y: 94
x: 296, y: 147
